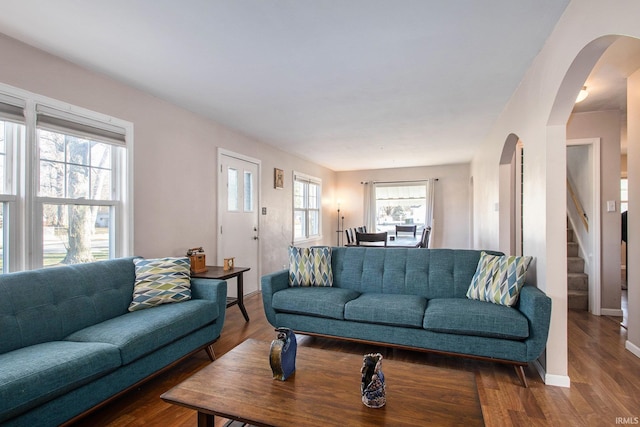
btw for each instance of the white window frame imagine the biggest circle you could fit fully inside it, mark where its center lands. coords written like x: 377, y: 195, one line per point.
x: 25, y: 244
x: 306, y: 180
x: 390, y: 228
x: 8, y: 198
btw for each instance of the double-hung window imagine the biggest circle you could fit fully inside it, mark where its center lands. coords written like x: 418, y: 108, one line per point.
x: 12, y: 134
x: 72, y: 203
x: 307, y: 193
x: 78, y: 162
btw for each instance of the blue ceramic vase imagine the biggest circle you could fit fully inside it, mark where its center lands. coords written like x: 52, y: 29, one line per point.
x: 282, y: 356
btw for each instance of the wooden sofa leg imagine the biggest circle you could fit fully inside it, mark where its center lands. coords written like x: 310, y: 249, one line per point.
x: 521, y: 375
x: 210, y: 352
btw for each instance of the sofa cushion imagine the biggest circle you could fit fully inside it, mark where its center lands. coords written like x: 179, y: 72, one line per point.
x: 141, y: 332
x: 387, y: 309
x: 310, y: 266
x: 41, y: 372
x: 160, y: 281
x: 498, y: 279
x: 39, y: 306
x: 314, y: 301
x: 433, y: 273
x: 470, y: 317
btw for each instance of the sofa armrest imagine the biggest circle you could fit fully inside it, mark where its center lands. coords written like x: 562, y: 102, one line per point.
x: 272, y: 283
x: 213, y: 290
x: 536, y: 306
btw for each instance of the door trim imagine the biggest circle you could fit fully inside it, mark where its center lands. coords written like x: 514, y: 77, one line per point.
x: 595, y: 263
x: 258, y: 163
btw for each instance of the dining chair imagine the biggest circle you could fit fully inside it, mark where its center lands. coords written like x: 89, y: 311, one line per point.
x: 371, y: 238
x: 406, y: 229
x: 424, y: 240
x: 349, y: 235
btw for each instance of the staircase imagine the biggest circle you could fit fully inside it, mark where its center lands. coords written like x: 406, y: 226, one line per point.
x: 577, y: 280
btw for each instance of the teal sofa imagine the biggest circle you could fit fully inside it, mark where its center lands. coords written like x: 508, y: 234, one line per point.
x: 411, y: 298
x: 68, y: 342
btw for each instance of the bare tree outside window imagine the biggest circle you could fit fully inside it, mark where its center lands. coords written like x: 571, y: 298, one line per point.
x: 74, y: 169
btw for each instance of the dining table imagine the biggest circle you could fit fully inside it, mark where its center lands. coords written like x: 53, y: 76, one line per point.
x: 403, y: 242
x: 396, y: 242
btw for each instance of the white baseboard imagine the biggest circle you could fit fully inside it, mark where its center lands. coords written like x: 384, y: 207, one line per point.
x: 554, y: 380
x: 557, y: 380
x: 616, y: 312
x: 632, y: 348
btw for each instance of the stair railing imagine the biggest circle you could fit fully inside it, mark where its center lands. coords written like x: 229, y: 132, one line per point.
x: 578, y: 205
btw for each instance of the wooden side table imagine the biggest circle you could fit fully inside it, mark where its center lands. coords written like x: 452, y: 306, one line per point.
x: 218, y: 272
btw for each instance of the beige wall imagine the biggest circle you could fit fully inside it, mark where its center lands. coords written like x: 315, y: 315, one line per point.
x: 175, y: 157
x: 605, y: 125
x: 538, y: 113
x: 276, y: 227
x: 451, y: 216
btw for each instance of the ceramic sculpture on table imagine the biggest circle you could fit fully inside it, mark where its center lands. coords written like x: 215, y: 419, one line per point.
x: 282, y: 356
x: 373, y: 386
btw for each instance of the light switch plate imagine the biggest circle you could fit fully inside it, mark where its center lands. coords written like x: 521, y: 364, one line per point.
x: 611, y: 205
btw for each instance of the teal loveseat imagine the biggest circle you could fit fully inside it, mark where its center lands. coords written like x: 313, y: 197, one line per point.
x: 68, y: 342
x: 411, y: 298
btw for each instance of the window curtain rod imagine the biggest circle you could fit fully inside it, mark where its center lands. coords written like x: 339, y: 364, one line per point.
x: 398, y: 182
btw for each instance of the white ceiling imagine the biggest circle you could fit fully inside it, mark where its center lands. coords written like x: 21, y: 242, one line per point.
x: 349, y: 84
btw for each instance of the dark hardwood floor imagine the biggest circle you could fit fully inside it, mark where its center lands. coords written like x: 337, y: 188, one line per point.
x: 605, y: 379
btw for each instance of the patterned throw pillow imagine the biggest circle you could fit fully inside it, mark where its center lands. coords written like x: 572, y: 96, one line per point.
x: 160, y: 281
x: 499, y: 279
x: 322, y: 273
x: 310, y: 266
x: 299, y: 266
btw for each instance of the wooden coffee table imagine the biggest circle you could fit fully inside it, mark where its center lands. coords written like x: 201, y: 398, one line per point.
x: 325, y: 390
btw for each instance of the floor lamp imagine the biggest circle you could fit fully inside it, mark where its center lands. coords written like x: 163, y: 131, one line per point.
x: 340, y: 227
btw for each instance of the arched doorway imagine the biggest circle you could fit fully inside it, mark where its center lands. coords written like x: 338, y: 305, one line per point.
x: 510, y: 196
x: 577, y: 76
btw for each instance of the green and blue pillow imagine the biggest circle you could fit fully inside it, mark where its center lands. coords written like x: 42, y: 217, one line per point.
x: 160, y: 281
x: 310, y: 266
x: 499, y: 279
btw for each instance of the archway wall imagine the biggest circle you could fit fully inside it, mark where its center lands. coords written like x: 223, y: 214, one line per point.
x: 507, y: 197
x: 633, y: 219
x: 538, y: 112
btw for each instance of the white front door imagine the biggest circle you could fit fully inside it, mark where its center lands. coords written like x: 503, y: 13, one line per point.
x: 239, y: 182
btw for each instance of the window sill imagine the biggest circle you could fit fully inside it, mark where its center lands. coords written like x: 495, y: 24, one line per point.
x: 307, y: 240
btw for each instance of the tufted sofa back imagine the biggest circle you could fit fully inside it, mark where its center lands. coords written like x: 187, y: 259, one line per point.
x: 431, y: 273
x: 48, y: 304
